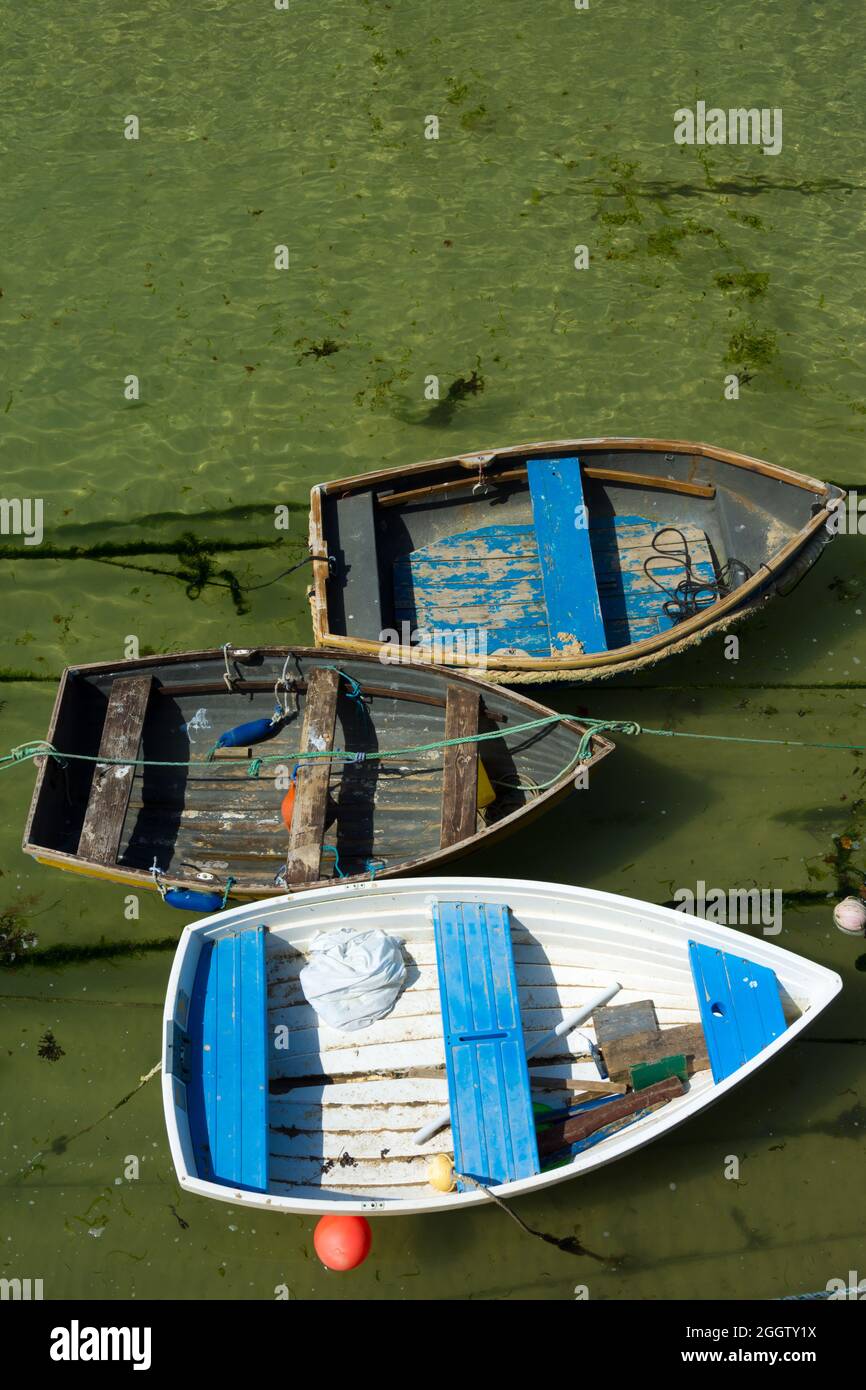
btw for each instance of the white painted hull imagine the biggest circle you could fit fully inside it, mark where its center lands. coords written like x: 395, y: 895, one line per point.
x: 389, y: 1079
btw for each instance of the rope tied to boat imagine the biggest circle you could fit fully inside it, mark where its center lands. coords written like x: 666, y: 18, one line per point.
x: 230, y: 883
x: 355, y: 692
x: 593, y: 727
x: 39, y: 748
x: 570, y: 1245
x: 22, y: 752
x: 332, y: 849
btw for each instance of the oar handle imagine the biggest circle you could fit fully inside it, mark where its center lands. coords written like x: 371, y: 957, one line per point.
x: 579, y: 1016
x: 574, y: 1020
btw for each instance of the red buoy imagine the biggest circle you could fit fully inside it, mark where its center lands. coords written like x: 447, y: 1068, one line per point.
x: 342, y: 1242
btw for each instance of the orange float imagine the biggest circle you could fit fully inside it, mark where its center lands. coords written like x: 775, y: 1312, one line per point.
x: 342, y: 1242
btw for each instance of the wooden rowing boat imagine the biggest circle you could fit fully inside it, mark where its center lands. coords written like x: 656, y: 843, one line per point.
x: 210, y: 821
x: 571, y: 558
x: 268, y: 1107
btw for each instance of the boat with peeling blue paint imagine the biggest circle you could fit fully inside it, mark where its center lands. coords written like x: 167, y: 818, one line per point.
x: 572, y: 559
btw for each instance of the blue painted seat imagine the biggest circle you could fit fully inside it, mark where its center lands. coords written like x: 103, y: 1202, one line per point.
x: 492, y: 1121
x: 561, y: 517
x: 228, y: 1090
x: 741, y: 1011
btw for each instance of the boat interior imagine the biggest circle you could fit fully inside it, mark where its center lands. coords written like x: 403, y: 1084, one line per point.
x: 553, y: 551
x: 204, y: 823
x: 326, y: 1114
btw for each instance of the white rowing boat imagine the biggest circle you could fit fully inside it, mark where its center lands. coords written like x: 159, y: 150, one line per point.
x: 268, y: 1107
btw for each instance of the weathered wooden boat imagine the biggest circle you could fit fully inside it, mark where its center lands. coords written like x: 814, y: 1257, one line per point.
x: 572, y: 558
x: 146, y: 796
x: 268, y: 1107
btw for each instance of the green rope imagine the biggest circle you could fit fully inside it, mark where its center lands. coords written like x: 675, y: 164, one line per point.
x: 584, y: 751
x: 592, y: 727
x: 601, y: 726
x: 332, y: 849
x: 45, y: 749
x: 772, y: 742
x: 230, y: 883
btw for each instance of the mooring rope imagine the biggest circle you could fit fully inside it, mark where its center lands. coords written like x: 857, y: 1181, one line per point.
x: 591, y: 729
x: 570, y: 1245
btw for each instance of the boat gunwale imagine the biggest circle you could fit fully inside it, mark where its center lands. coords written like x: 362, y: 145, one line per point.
x: 142, y: 878
x: 631, y: 652
x: 634, y: 1137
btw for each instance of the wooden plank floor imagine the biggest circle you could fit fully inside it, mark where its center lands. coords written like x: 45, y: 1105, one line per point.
x: 216, y: 819
x: 344, y: 1106
x: 492, y: 579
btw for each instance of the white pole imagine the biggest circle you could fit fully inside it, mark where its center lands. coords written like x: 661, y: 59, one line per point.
x: 566, y: 1026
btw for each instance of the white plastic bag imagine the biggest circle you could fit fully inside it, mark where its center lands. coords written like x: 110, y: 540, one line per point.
x: 352, y: 978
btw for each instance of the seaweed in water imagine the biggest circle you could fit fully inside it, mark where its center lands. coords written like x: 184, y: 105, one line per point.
x: 54, y: 956
x: 751, y: 346
x: 326, y: 348
x: 461, y: 389
x: 50, y: 1048
x: 15, y: 939
x: 751, y: 284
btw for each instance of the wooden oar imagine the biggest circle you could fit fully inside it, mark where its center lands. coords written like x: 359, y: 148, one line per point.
x: 566, y: 1026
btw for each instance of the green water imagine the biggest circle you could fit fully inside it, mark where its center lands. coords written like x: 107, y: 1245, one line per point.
x: 410, y: 257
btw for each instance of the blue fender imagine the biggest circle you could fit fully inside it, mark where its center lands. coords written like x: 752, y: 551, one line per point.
x: 190, y: 901
x: 254, y: 732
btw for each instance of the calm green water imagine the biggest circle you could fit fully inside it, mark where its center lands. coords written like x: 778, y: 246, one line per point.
x: 411, y: 257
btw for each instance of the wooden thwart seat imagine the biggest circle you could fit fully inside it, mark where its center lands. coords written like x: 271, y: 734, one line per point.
x: 574, y: 615
x: 228, y: 1103
x: 311, y: 797
x: 356, y: 587
x: 741, y: 1010
x: 492, y: 1121
x: 112, y: 782
x: 460, y: 770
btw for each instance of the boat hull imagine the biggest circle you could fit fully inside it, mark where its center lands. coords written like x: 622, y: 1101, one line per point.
x: 771, y: 521
x: 212, y: 821
x: 567, y: 942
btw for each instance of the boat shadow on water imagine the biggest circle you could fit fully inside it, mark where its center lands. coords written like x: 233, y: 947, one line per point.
x: 592, y: 842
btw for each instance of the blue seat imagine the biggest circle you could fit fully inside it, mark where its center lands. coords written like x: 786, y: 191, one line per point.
x: 228, y: 1089
x: 561, y: 520
x: 741, y: 1010
x: 492, y: 1122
